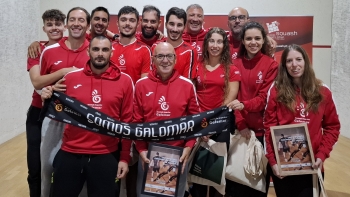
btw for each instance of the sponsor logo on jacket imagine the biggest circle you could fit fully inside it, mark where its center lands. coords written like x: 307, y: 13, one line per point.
x: 260, y: 76
x: 164, y: 106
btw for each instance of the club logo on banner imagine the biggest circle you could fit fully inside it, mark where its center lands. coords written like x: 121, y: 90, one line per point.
x: 66, y: 109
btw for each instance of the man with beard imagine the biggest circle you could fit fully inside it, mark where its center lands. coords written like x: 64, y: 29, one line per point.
x: 132, y: 56
x: 185, y: 53
x: 99, y: 22
x: 88, y: 156
x: 149, y: 25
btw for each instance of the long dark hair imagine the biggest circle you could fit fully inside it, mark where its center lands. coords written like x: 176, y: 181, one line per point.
x: 253, y: 25
x: 309, y: 84
x: 225, y: 58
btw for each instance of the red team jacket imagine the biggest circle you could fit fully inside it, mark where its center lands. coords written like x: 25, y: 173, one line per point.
x: 36, y: 101
x: 133, y: 59
x: 157, y: 100
x: 186, y: 59
x: 110, y: 93
x: 257, y: 76
x: 196, y: 41
x: 58, y: 56
x: 323, y: 125
x: 234, y: 47
x: 149, y: 43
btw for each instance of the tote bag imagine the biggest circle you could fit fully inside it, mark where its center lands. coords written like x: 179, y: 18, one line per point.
x: 208, y: 164
x: 246, y: 162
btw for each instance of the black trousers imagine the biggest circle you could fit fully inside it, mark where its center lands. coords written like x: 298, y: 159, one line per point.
x: 33, y: 133
x: 294, y: 186
x: 72, y: 170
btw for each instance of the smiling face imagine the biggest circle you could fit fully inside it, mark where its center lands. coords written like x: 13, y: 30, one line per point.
x: 99, y: 23
x: 215, y: 45
x: 127, y: 24
x: 237, y: 18
x: 253, y: 41
x: 164, y: 59
x: 295, y: 65
x: 175, y: 27
x: 195, y: 18
x: 54, y: 29
x: 77, y: 24
x: 149, y: 24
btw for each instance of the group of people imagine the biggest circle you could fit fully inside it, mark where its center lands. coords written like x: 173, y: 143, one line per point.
x: 142, y: 77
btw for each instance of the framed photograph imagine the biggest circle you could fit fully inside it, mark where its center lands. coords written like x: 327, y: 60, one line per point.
x: 162, y: 175
x: 293, y: 149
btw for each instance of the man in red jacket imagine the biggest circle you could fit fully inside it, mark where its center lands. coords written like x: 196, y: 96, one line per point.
x: 164, y: 94
x: 88, y: 156
x: 194, y: 33
x: 185, y: 53
x: 150, y: 23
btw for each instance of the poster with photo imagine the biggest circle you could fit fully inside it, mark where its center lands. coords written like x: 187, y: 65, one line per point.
x: 293, y: 149
x: 162, y: 174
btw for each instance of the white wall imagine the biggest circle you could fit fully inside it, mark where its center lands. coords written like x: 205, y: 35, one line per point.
x: 320, y: 9
x: 19, y: 27
x: 340, y: 75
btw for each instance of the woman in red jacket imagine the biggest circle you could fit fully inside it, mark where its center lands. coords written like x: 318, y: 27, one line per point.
x: 298, y: 96
x: 217, y: 84
x: 258, y: 71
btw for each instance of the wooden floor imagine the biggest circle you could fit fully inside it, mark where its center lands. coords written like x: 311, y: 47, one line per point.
x: 13, y: 169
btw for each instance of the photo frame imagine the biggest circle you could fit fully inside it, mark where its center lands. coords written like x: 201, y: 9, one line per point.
x: 293, y: 149
x: 162, y: 175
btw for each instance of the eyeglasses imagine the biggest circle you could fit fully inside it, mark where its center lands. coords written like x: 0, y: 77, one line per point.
x: 160, y: 57
x: 234, y: 18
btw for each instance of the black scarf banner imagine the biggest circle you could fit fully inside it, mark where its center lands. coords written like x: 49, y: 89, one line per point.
x: 68, y: 110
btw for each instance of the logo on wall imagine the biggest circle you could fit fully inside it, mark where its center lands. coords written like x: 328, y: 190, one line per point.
x: 273, y: 27
x: 95, y: 97
x: 275, y: 32
x: 121, y: 60
x: 163, y: 103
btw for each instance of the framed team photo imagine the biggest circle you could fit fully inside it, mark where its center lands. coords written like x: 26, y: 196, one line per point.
x: 162, y: 175
x: 293, y: 149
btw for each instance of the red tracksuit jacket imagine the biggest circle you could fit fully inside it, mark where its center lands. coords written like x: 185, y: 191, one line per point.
x: 111, y: 93
x: 159, y: 100
x: 257, y: 76
x: 323, y: 125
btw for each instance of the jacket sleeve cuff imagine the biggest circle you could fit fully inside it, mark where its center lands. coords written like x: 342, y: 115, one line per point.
x: 190, y: 143
x: 321, y: 156
x: 141, y: 146
x: 246, y: 105
x: 241, y: 125
x: 125, y: 156
x: 271, y: 159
